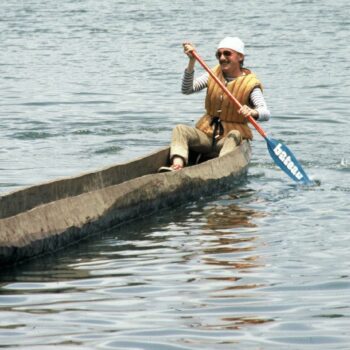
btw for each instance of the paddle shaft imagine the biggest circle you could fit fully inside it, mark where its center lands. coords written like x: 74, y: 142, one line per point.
x: 228, y: 93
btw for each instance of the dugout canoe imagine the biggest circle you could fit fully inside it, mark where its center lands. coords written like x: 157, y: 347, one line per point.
x: 44, y: 218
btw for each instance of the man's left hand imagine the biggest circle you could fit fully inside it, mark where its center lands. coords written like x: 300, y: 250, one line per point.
x: 246, y: 111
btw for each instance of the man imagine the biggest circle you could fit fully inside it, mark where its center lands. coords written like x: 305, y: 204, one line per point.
x: 222, y: 127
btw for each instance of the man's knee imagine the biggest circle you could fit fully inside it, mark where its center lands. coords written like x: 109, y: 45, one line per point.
x: 236, y: 136
x: 180, y: 128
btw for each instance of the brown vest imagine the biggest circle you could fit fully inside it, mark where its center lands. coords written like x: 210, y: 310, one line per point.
x: 217, y: 103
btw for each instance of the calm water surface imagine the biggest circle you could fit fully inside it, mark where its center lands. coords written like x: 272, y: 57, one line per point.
x: 85, y: 84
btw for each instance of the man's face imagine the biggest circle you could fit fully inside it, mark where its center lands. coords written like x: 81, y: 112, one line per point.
x: 229, y: 59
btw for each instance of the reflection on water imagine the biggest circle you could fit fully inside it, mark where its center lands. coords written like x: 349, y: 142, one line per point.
x: 230, y: 217
x: 237, y: 323
x: 233, y: 251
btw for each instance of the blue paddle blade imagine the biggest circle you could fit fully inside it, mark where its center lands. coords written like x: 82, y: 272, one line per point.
x: 286, y: 160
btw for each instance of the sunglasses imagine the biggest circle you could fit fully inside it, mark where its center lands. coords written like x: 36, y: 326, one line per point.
x: 226, y: 53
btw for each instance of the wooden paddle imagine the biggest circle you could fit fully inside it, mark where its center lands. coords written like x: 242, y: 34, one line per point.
x: 279, y: 152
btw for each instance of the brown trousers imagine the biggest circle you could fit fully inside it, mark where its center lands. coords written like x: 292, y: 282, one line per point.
x: 186, y: 137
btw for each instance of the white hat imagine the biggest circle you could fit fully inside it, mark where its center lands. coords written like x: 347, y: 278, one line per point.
x: 235, y: 44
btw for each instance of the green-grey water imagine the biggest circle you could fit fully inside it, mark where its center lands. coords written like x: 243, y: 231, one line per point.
x: 86, y: 84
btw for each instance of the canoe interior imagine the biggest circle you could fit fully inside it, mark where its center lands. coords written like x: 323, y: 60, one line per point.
x: 25, y: 199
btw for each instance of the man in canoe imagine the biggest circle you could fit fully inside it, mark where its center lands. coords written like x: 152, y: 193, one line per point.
x: 222, y: 127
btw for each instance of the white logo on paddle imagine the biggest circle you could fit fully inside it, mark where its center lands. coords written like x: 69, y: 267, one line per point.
x: 287, y: 161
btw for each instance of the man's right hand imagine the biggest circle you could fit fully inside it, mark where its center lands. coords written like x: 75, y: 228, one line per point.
x: 188, y: 48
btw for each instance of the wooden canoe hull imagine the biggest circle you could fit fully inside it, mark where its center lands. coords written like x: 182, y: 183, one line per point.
x: 44, y: 218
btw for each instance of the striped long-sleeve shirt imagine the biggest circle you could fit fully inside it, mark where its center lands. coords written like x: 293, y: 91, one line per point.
x: 256, y: 99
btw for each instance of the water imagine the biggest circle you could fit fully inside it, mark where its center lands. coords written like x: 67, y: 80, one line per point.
x: 86, y: 84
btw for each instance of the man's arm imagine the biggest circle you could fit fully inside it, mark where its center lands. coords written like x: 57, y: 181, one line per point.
x: 258, y: 102
x: 191, y: 85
